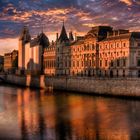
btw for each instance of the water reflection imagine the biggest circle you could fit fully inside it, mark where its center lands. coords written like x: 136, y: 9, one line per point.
x: 36, y: 115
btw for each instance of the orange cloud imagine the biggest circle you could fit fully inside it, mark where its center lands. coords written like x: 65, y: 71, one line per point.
x: 128, y: 2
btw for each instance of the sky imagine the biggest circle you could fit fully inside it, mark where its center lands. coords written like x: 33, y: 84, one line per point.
x: 79, y: 16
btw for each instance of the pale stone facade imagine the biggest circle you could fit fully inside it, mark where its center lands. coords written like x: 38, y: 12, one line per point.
x: 102, y: 52
x: 119, y: 54
x: 31, y: 52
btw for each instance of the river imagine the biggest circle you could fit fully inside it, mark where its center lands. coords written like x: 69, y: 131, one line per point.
x: 31, y: 114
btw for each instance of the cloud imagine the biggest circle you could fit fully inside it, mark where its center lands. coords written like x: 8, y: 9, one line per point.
x: 128, y: 2
x: 79, y: 15
x: 7, y: 45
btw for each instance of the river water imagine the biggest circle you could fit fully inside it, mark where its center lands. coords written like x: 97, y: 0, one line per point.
x: 27, y: 114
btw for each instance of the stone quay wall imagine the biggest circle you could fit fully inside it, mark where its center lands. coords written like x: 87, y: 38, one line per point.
x: 101, y: 86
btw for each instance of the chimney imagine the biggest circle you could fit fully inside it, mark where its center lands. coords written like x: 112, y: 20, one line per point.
x: 71, y: 36
x: 57, y: 36
x: 108, y: 33
x: 75, y: 36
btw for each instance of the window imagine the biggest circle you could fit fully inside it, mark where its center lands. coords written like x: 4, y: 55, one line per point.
x: 117, y: 73
x: 124, y: 53
x: 124, y: 62
x: 106, y: 63
x: 82, y: 64
x: 111, y: 63
x: 84, y: 47
x: 90, y: 63
x: 93, y: 64
x: 138, y: 62
x: 123, y: 73
x: 124, y: 44
x: 77, y: 63
x: 138, y: 44
x: 118, y: 63
x: 93, y: 47
x: 100, y: 63
x: 73, y: 64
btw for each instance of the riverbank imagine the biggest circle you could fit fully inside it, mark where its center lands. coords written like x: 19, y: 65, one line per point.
x: 127, y: 87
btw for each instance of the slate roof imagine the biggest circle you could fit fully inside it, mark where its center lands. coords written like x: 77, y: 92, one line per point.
x: 63, y: 36
x: 41, y: 39
x: 135, y: 35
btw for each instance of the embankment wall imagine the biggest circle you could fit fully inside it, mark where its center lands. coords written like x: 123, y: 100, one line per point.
x: 104, y: 86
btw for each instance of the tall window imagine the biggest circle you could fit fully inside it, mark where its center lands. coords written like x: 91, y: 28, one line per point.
x: 100, y: 63
x: 77, y: 63
x: 111, y: 63
x: 90, y: 63
x: 138, y: 44
x: 124, y: 62
x: 138, y: 62
x: 93, y: 47
x: 118, y: 63
x: 82, y: 64
x: 73, y: 64
x: 106, y: 63
x: 124, y: 44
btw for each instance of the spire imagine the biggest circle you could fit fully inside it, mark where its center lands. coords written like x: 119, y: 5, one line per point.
x: 63, y: 36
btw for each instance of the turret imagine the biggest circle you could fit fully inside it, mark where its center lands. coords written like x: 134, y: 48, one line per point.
x: 25, y: 35
x: 23, y: 39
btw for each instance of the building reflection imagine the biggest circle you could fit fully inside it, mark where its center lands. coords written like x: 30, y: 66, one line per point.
x: 72, y: 117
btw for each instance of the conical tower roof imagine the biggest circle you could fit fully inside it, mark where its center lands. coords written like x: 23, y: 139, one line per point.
x: 25, y: 35
x: 63, y: 36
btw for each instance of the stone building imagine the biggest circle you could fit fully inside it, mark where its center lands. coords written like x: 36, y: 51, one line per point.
x: 31, y: 52
x: 11, y: 61
x: 118, y: 54
x: 102, y: 52
x: 57, y: 52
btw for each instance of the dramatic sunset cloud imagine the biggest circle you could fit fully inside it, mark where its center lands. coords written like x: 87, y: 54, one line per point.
x: 128, y: 2
x: 79, y: 16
